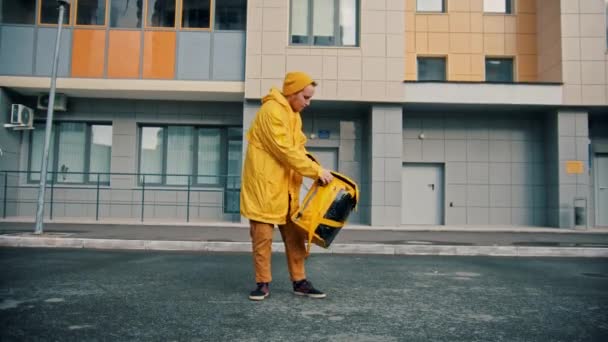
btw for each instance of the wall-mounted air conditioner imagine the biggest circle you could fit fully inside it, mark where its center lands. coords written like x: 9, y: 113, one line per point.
x: 22, y: 117
x: 60, y: 105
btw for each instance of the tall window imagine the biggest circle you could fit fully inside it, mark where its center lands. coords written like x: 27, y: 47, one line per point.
x: 151, y: 153
x: 170, y: 155
x: 196, y: 13
x: 78, y: 152
x: 325, y: 22
x: 499, y: 69
x: 161, y: 13
x: 91, y: 12
x: 431, y: 69
x: 233, y: 178
x: 498, y: 6
x: 209, y: 159
x: 126, y: 13
x: 230, y: 14
x: 430, y: 5
x: 49, y: 14
x: 179, y: 154
x: 18, y: 12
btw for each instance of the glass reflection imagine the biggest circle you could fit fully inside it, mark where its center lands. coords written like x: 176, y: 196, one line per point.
x: 196, y: 13
x: 126, y: 13
x: 161, y: 13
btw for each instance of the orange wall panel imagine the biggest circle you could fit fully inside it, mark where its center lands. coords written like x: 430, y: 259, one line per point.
x: 124, y: 54
x: 465, y: 35
x: 159, y: 55
x: 88, y: 52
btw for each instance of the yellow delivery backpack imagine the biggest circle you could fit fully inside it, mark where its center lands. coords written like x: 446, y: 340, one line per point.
x: 325, y: 209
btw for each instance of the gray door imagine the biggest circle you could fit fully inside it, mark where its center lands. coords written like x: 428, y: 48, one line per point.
x: 601, y: 189
x: 328, y: 157
x: 422, y: 194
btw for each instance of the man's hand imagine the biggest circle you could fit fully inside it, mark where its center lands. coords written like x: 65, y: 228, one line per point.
x: 325, y: 177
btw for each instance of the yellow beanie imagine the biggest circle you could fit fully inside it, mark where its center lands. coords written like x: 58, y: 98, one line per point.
x: 296, y: 81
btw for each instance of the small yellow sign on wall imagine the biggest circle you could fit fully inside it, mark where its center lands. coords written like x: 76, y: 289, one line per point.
x: 574, y: 167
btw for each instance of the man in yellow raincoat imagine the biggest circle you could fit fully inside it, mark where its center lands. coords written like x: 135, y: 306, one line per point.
x: 275, y: 162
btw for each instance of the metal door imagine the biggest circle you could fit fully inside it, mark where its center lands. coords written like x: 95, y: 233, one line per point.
x: 328, y: 157
x: 601, y: 189
x: 422, y: 194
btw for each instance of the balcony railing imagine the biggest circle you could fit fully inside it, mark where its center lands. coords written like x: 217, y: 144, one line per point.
x: 121, y: 196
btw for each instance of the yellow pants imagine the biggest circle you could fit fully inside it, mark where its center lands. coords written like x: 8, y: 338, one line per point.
x: 295, y: 250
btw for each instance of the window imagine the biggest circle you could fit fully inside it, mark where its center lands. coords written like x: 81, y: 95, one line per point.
x: 497, y: 6
x: 161, y: 13
x: 179, y: 154
x: 499, y: 70
x: 324, y: 22
x: 196, y: 13
x: 91, y: 12
x: 430, y: 5
x: 209, y: 163
x: 431, y: 69
x: 231, y: 15
x: 170, y: 154
x: 18, y: 12
x: 125, y: 13
x: 78, y: 151
x: 49, y: 12
x: 233, y: 179
x: 151, y: 153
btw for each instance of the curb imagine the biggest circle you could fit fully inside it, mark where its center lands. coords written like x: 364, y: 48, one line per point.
x: 355, y: 227
x: 377, y: 249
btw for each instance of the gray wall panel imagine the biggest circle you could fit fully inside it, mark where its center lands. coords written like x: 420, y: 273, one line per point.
x: 229, y: 56
x: 493, y: 165
x: 45, y: 50
x: 16, y: 50
x: 193, y: 55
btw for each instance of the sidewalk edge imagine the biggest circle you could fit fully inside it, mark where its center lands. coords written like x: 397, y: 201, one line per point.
x: 378, y: 249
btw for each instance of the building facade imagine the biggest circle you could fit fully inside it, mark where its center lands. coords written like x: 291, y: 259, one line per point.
x: 446, y: 112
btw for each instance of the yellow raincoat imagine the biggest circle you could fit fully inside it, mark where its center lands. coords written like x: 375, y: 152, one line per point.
x: 275, y: 162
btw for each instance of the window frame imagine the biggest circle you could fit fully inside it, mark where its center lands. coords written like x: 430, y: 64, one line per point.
x: 70, y: 14
x: 179, y: 22
x: 106, y: 18
x: 606, y: 25
x: 310, y: 23
x: 437, y: 57
x: 513, y: 68
x: 224, y: 138
x: 444, y: 7
x: 509, y: 4
x: 55, y: 146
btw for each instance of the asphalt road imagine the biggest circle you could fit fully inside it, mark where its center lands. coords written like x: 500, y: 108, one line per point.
x: 92, y: 295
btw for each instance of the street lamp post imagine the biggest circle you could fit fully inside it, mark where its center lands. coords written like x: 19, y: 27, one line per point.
x: 62, y: 4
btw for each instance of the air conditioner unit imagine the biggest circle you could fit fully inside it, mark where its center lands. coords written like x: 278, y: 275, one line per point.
x: 22, y: 117
x: 60, y: 105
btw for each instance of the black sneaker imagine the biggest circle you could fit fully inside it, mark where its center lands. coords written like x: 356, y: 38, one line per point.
x: 261, y: 291
x: 305, y: 288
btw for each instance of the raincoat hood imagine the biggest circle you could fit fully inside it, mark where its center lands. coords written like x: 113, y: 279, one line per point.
x: 275, y: 95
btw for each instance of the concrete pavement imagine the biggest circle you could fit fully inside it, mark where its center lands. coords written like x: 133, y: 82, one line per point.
x: 98, y: 295
x: 229, y: 237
